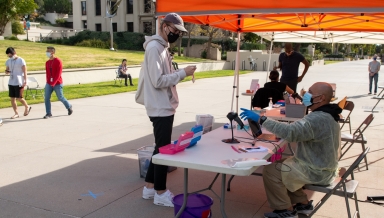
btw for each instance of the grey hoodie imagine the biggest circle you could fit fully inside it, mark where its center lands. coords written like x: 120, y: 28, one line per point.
x: 157, y: 80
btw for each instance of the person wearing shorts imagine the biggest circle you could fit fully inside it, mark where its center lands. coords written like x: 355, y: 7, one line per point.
x: 16, y: 68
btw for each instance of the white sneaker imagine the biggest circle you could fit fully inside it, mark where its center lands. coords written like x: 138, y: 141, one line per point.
x: 148, y: 193
x: 164, y: 199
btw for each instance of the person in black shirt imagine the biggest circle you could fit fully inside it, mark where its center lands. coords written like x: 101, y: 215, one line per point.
x: 275, y: 84
x: 289, y: 62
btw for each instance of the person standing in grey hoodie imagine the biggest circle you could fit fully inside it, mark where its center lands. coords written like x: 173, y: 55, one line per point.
x: 157, y: 92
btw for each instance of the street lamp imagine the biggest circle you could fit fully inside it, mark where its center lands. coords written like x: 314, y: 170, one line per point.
x: 26, y: 26
x: 155, y: 17
x: 111, y: 11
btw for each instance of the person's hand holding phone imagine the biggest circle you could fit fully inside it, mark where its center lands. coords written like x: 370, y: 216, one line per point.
x: 190, y: 70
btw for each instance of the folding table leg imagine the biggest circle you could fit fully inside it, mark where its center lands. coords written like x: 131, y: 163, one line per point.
x: 185, y: 193
x: 229, y: 183
x: 222, y: 197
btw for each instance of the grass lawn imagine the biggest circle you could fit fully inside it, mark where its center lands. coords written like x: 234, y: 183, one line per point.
x: 331, y: 62
x: 74, y: 56
x: 105, y: 88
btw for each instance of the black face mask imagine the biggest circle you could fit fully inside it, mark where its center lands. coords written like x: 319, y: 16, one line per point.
x: 172, y: 37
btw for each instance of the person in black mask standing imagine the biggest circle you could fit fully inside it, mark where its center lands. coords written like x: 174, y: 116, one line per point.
x: 157, y: 92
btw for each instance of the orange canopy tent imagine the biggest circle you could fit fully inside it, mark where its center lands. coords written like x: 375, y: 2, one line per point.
x: 281, y: 15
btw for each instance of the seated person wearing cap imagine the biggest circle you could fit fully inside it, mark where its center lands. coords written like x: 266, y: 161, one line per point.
x: 316, y: 159
x: 275, y: 84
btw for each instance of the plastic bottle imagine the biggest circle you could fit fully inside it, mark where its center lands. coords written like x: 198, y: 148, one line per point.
x: 270, y: 103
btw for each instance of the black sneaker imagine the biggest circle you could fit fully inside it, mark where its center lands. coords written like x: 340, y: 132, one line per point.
x: 47, y: 116
x: 281, y: 214
x: 304, y: 208
x: 70, y: 111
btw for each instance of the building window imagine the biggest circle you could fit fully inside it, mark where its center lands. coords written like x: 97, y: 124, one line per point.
x: 84, y: 24
x: 147, y: 6
x: 98, y: 7
x: 98, y: 27
x: 130, y: 26
x: 147, y: 28
x: 83, y: 8
x: 129, y: 6
x: 114, y: 27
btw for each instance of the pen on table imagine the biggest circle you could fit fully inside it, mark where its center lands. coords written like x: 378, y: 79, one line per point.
x: 242, y: 150
x: 252, y: 148
x: 235, y: 149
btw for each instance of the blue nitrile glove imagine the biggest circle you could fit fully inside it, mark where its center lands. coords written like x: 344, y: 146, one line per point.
x: 248, y: 114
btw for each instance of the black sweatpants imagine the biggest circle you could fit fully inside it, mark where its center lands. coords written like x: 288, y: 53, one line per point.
x: 125, y: 76
x: 162, y: 130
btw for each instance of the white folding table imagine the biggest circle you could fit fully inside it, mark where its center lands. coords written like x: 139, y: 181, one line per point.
x: 210, y: 154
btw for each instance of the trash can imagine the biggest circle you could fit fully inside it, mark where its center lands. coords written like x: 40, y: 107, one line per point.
x: 144, y: 155
x: 198, y: 205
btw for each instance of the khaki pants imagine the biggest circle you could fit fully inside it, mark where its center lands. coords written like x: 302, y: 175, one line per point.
x: 278, y: 196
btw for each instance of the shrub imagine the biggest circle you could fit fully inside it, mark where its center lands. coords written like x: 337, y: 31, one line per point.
x: 204, y: 54
x: 96, y: 43
x: 13, y: 38
x: 176, y: 49
x: 123, y: 40
x: 224, y: 56
x: 252, y: 46
x: 60, y: 21
x: 17, y: 28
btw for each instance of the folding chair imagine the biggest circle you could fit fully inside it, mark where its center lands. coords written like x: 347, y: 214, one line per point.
x: 341, y: 187
x: 356, y: 137
x: 334, y: 91
x: 33, y: 85
x: 348, y: 107
x: 118, y: 78
x: 342, y: 103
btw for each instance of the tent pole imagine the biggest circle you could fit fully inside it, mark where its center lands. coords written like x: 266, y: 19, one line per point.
x: 236, y: 74
x: 270, y: 56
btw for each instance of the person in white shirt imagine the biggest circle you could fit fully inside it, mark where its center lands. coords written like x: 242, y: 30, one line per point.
x: 373, y: 69
x: 16, y: 68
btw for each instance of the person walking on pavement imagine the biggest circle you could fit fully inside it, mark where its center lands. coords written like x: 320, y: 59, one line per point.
x: 53, y: 70
x: 373, y: 69
x: 157, y: 92
x: 17, y: 70
x: 289, y: 62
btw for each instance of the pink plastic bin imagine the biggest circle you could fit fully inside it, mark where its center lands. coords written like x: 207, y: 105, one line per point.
x: 183, y: 142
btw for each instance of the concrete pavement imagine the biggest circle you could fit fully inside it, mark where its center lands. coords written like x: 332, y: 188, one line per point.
x: 85, y: 165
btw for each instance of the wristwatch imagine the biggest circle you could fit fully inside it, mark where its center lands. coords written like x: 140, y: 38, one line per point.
x: 262, y: 120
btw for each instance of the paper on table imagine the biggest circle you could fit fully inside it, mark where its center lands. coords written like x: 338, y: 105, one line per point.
x: 254, y: 85
x: 245, y: 162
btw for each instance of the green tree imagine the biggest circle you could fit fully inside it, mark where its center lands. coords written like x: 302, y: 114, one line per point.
x: 40, y: 6
x: 13, y: 9
x: 211, y: 32
x: 251, y: 37
x: 17, y: 28
x: 58, y: 6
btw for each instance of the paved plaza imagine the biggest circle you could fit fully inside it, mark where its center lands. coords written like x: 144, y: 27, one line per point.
x: 86, y: 165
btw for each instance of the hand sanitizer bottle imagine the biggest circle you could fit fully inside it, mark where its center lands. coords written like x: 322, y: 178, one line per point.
x: 270, y: 103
